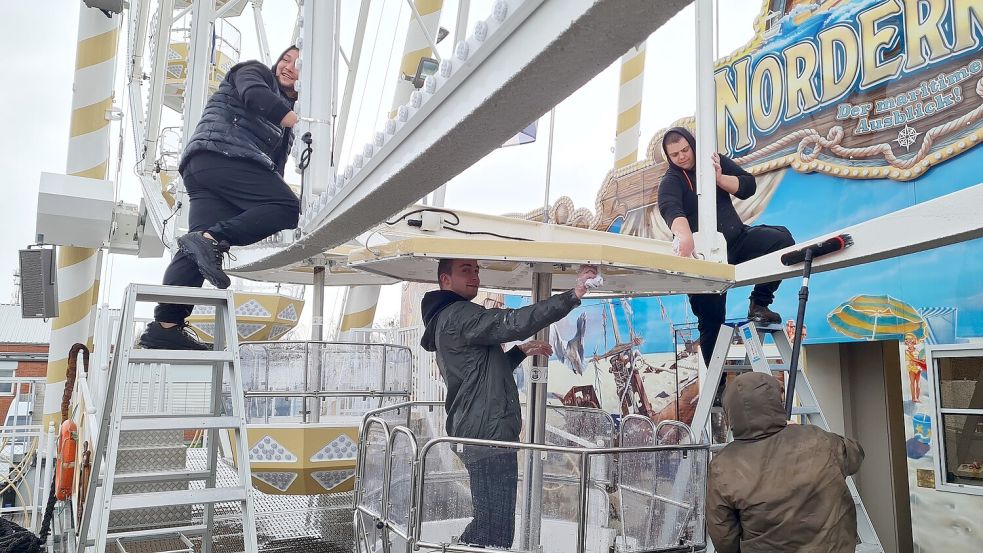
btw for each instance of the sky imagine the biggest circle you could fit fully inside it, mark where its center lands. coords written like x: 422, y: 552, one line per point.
x: 37, y: 112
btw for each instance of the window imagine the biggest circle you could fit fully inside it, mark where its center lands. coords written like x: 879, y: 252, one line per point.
x: 7, y: 369
x: 957, y: 374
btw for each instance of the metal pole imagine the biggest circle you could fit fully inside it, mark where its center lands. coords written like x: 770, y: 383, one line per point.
x: 706, y: 134
x: 793, y: 365
x: 317, y: 335
x: 549, y: 174
x: 532, y: 481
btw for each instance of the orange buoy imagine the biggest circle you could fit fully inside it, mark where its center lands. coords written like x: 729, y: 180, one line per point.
x: 65, y: 465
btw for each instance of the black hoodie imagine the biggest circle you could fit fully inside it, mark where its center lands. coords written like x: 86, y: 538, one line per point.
x: 677, y: 192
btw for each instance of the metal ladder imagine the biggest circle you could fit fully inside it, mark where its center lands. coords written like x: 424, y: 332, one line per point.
x: 751, y: 336
x: 129, y: 363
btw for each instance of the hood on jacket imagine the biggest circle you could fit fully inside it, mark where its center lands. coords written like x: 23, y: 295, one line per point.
x: 433, y: 303
x: 276, y: 61
x: 754, y: 405
x: 683, y: 132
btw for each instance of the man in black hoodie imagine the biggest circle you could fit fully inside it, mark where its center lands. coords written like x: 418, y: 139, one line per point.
x: 678, y: 206
x: 482, y: 398
x: 232, y: 169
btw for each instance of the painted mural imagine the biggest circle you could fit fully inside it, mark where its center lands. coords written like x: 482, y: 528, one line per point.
x: 845, y: 111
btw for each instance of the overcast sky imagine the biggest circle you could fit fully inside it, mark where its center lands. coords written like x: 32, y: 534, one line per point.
x: 36, y: 101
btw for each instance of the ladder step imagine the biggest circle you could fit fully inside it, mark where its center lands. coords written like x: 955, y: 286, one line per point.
x: 804, y: 410
x: 163, y: 476
x: 152, y: 533
x: 740, y: 367
x: 179, y: 356
x: 208, y: 422
x: 179, y: 294
x: 177, y: 498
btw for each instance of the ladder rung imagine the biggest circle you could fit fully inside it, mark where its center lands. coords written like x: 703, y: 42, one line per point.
x: 208, y: 422
x: 152, y: 533
x: 179, y: 356
x: 180, y: 294
x: 163, y: 476
x: 802, y: 410
x: 177, y: 498
x: 776, y: 367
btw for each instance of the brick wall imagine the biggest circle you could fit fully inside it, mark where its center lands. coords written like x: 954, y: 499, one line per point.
x: 24, y: 368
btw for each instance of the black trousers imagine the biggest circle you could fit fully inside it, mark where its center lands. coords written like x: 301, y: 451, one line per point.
x: 711, y: 309
x: 494, y: 475
x: 238, y: 201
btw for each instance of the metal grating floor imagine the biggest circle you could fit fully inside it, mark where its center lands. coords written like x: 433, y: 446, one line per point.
x: 284, y: 523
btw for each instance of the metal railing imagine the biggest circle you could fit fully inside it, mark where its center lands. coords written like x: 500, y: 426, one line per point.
x: 302, y: 381
x: 412, y: 492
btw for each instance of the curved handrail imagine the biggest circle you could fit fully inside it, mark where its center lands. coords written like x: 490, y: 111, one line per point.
x: 677, y: 424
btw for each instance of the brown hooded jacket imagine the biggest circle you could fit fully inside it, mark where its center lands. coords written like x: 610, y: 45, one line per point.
x: 779, y: 487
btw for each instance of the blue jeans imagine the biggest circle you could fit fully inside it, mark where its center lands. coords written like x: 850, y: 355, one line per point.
x: 494, y: 475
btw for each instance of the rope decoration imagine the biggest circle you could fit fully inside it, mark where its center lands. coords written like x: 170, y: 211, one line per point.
x: 811, y: 143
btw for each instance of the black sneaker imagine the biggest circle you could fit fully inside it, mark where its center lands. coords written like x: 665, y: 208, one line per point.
x: 179, y: 336
x: 761, y: 314
x: 208, y: 256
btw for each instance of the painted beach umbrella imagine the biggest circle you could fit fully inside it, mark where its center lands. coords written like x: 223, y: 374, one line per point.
x: 869, y: 317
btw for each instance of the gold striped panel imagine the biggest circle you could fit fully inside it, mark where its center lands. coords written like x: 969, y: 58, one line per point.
x: 629, y: 118
x: 632, y: 68
x: 360, y: 319
x: 96, y: 49
x: 627, y: 160
x: 75, y: 309
x: 68, y: 255
x: 90, y: 118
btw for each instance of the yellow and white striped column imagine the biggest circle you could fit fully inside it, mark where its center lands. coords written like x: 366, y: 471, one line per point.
x: 88, y: 156
x: 629, y: 107
x: 417, y: 46
x: 359, y: 309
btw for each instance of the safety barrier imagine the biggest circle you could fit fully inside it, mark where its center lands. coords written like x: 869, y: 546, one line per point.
x: 603, y: 489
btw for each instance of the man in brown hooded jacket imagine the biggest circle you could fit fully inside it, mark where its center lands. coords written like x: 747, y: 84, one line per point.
x: 779, y: 487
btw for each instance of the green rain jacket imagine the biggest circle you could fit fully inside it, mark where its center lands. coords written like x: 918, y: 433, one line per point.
x: 779, y: 487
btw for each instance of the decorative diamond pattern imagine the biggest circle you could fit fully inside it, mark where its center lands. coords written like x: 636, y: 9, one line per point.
x: 276, y: 331
x: 289, y: 313
x: 252, y: 308
x: 207, y: 328
x: 329, y: 479
x: 271, y: 451
x: 341, y: 447
x: 203, y: 310
x: 279, y: 480
x: 246, y: 330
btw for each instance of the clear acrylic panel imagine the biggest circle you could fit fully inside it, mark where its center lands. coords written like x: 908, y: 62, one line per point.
x: 661, y: 499
x: 373, y: 468
x: 401, y: 481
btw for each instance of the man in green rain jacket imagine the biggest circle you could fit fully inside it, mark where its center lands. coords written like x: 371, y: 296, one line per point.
x: 779, y: 487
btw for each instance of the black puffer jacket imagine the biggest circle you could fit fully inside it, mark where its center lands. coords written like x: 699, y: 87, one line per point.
x: 242, y: 119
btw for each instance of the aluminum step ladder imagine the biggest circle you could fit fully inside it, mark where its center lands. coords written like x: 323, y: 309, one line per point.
x: 128, y: 365
x: 752, y: 336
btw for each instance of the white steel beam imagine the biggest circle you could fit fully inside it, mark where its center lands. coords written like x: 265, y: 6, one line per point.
x: 315, y: 89
x: 707, y: 241
x: 346, y: 99
x: 264, y: 45
x: 552, y: 49
x: 949, y: 219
